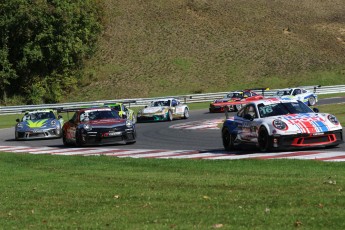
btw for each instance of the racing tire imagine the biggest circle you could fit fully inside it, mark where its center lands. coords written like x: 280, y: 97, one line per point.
x: 170, y: 117
x: 311, y: 101
x: 228, y: 140
x: 237, y: 107
x: 78, y: 140
x: 64, y: 141
x: 130, y: 142
x: 263, y: 139
x: 185, y: 113
x: 134, y: 119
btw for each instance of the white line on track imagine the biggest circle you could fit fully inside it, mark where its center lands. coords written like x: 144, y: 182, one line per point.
x: 176, y: 154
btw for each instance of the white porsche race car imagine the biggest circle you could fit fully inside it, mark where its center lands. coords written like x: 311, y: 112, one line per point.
x: 275, y: 124
x: 163, y: 110
x: 306, y: 96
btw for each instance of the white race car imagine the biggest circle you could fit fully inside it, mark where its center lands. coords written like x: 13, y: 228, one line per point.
x: 306, y: 96
x: 163, y: 110
x: 275, y: 124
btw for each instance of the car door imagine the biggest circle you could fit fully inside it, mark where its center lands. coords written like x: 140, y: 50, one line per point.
x: 248, y: 127
x: 72, y: 127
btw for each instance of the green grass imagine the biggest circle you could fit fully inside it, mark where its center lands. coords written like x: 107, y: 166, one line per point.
x: 67, y: 192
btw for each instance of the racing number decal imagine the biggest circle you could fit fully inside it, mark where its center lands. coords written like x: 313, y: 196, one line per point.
x: 265, y: 110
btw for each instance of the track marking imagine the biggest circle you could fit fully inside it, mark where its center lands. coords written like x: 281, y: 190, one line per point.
x: 333, y: 156
x: 203, y: 124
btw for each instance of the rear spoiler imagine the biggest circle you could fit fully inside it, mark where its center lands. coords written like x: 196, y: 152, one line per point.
x: 122, y: 102
x: 68, y: 110
x: 261, y: 89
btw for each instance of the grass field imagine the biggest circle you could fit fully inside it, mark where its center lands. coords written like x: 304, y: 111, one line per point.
x: 67, y: 192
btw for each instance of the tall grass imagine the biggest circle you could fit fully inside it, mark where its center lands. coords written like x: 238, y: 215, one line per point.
x: 159, y: 48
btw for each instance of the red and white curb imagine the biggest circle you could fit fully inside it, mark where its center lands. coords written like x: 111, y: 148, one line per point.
x: 204, y: 124
x: 176, y: 154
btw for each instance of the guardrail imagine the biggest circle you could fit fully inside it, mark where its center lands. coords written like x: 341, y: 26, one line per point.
x: 140, y: 102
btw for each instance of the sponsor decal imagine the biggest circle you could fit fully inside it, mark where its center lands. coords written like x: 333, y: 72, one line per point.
x: 36, y: 124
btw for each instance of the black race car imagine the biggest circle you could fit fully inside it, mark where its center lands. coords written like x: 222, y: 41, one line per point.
x: 97, y: 126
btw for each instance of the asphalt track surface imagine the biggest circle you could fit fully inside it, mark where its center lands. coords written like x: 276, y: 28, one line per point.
x: 198, y: 134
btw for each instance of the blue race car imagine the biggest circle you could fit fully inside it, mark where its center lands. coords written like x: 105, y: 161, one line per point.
x: 39, y: 124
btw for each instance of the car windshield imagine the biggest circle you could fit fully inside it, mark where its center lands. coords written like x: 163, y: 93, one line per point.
x: 116, y: 107
x: 161, y: 103
x: 99, y: 114
x: 283, y: 92
x: 39, y: 116
x: 283, y: 108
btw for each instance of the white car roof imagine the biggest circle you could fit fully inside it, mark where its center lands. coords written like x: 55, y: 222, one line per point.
x: 268, y: 101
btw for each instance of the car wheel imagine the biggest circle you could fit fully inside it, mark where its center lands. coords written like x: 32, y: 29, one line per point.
x: 185, y: 113
x: 311, y: 101
x: 263, y: 139
x: 170, y: 117
x: 64, y: 141
x: 228, y: 140
x: 134, y: 119
x: 237, y: 107
x: 78, y: 139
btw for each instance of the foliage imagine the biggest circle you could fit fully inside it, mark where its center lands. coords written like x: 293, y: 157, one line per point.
x: 44, y: 43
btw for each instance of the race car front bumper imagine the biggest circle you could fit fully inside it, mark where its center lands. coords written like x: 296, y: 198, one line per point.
x: 38, y: 134
x: 102, y: 137
x: 326, y: 139
x: 161, y: 117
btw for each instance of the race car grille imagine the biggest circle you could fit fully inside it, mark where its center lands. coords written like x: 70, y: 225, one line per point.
x: 312, y: 140
x: 316, y: 140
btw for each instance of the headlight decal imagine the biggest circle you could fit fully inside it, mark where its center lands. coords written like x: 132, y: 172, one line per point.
x: 279, y: 124
x: 333, y: 119
x: 129, y: 123
x: 87, y: 127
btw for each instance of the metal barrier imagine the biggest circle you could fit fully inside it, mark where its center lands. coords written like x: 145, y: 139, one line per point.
x: 140, y: 102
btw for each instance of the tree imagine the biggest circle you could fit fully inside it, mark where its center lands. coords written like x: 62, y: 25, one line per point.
x: 46, y: 44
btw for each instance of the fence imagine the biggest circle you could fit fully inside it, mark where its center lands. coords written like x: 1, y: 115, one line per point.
x: 140, y: 102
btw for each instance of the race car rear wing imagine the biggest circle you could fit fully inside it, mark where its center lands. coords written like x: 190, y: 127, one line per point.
x: 122, y: 102
x: 261, y: 89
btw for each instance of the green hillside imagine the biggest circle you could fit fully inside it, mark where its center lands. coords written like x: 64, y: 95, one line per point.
x: 168, y: 47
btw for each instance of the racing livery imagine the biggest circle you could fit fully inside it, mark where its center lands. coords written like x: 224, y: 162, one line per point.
x: 123, y: 111
x: 308, y: 97
x: 275, y: 124
x: 97, y: 126
x: 163, y: 110
x: 38, y: 124
x: 241, y: 97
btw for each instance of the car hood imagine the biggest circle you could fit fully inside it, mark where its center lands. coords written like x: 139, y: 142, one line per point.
x: 106, y: 122
x: 155, y: 109
x: 36, y: 124
x: 308, y: 122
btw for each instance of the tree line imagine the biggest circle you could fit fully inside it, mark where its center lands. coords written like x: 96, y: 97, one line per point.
x: 43, y: 45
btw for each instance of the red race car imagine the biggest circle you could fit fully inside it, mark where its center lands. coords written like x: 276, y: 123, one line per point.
x: 234, y: 100
x: 96, y: 126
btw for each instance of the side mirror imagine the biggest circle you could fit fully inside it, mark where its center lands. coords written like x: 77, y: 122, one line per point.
x: 59, y: 117
x: 316, y: 110
x: 17, y: 120
x: 248, y: 117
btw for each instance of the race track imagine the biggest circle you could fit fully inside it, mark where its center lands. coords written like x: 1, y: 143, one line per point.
x: 197, y: 137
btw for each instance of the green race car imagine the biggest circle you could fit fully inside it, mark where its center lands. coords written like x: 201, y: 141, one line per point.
x: 123, y: 111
